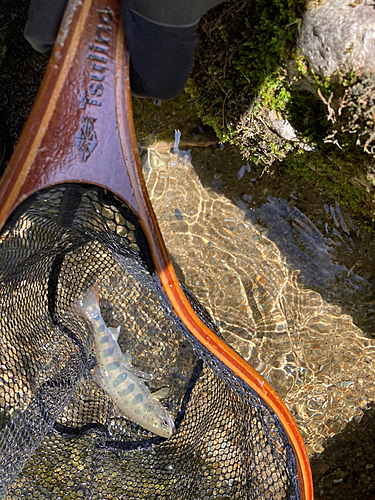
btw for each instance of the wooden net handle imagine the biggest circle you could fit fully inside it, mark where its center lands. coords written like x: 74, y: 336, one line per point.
x: 81, y: 130
x: 71, y: 134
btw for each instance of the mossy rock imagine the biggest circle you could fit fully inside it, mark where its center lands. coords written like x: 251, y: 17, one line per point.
x: 240, y: 73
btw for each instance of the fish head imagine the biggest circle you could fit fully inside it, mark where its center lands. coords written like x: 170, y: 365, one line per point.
x: 162, y: 422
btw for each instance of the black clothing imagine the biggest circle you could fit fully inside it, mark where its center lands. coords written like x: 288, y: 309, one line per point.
x: 43, y: 23
x: 160, y: 34
x: 182, y: 13
x: 161, y: 57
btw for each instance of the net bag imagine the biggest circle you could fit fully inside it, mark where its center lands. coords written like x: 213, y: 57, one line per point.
x: 74, y: 212
x: 228, y: 443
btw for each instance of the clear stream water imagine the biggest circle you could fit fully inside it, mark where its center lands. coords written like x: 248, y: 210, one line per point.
x: 286, y: 274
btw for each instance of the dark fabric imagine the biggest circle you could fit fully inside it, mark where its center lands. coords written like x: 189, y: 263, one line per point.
x: 160, y: 57
x: 43, y: 23
x: 177, y: 13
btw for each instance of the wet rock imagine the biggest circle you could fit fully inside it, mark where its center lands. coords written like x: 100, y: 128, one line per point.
x: 338, y: 40
x: 339, y: 35
x: 284, y: 129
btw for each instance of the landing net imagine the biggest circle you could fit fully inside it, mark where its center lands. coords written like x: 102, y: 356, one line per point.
x: 61, y: 436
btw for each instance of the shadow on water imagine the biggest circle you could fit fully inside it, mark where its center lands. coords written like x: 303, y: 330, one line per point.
x: 316, y: 235
x: 345, y: 470
x: 21, y: 73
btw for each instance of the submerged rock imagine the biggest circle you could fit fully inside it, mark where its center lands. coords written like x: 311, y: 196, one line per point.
x: 274, y: 283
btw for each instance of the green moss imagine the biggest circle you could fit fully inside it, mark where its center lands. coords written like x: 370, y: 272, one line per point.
x: 240, y: 65
x: 300, y: 62
x: 274, y: 92
x: 336, y: 173
x: 157, y: 120
x: 307, y: 114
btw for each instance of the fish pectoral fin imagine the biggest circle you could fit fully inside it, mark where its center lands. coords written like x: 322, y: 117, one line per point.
x: 141, y: 375
x: 96, y: 375
x: 127, y: 360
x: 161, y: 393
x: 115, y: 332
x: 127, y: 363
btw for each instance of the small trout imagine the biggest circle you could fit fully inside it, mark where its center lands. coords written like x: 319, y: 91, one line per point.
x: 114, y: 374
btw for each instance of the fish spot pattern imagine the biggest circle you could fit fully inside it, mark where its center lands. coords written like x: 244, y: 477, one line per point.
x: 120, y: 379
x: 127, y: 391
x: 104, y: 340
x: 108, y: 352
x: 113, y: 366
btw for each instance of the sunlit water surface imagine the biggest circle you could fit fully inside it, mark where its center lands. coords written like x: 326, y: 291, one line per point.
x: 278, y: 285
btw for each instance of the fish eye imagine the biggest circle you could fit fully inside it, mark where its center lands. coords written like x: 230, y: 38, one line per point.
x: 164, y: 423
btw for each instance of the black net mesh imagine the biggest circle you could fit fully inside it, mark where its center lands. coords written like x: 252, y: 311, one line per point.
x: 61, y: 435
